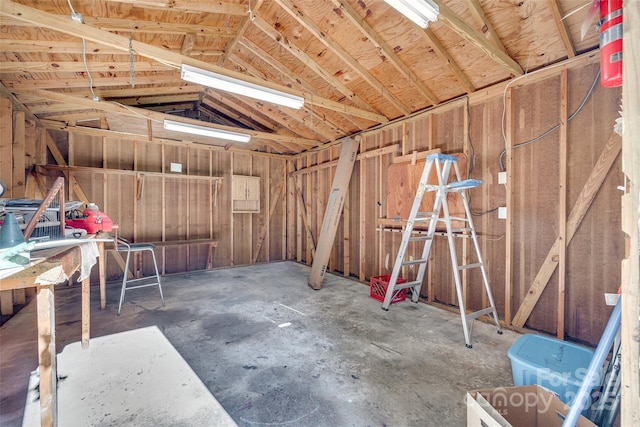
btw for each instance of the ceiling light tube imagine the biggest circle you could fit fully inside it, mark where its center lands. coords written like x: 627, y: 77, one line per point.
x: 229, y: 84
x: 419, y: 11
x: 206, y: 131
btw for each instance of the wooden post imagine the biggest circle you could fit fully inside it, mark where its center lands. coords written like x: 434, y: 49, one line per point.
x: 562, y: 220
x: 508, y: 271
x: 86, y: 312
x: 630, y: 406
x: 333, y: 210
x: 47, y: 356
x: 102, y: 273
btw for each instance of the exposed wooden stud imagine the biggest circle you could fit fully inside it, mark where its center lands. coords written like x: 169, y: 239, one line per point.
x: 562, y: 205
x: 265, y: 227
x: 630, y: 370
x: 582, y: 204
x: 18, y: 153
x: 86, y: 312
x: 509, y: 187
x: 6, y: 143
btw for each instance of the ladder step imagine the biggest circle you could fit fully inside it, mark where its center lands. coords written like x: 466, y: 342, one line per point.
x: 468, y: 266
x: 479, y: 313
x: 464, y: 184
x: 414, y: 262
x: 419, y: 238
x: 406, y: 285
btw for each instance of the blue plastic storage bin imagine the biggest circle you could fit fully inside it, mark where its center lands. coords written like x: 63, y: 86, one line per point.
x: 556, y: 365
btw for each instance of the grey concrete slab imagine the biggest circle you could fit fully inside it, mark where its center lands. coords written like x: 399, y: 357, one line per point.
x: 275, y: 352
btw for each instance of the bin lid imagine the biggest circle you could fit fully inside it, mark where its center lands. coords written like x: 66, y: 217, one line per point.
x: 551, y: 353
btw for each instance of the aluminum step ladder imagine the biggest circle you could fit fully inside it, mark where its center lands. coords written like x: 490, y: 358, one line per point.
x: 442, y: 164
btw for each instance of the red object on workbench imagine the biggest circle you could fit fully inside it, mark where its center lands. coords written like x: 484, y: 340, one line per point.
x: 91, y: 220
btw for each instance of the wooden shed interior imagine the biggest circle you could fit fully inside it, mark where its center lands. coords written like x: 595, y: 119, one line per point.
x: 86, y: 86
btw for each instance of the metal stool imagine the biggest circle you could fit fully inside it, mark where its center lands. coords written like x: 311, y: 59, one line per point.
x: 121, y: 245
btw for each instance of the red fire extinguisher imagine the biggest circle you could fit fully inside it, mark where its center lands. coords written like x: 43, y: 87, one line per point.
x: 611, y: 43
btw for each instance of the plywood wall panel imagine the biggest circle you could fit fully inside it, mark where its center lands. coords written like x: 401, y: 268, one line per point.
x: 243, y: 222
x: 260, y: 167
x: 87, y: 151
x: 277, y: 241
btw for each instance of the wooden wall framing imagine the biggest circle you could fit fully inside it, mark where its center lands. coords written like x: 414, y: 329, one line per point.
x: 545, y: 178
x: 130, y: 180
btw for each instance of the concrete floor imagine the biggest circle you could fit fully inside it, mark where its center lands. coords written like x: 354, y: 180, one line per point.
x: 276, y: 353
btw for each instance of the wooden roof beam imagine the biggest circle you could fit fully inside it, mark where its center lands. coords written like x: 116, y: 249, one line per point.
x: 357, y: 21
x: 75, y: 82
x: 136, y: 26
x: 487, y: 28
x: 78, y: 67
x: 75, y: 48
x: 282, y: 69
x: 159, y: 99
x: 453, y: 21
x: 337, y: 50
x: 55, y: 22
x: 112, y: 107
x: 277, y: 37
x: 242, y: 28
x: 219, y: 7
x: 562, y: 28
x: 293, y: 115
x: 448, y: 60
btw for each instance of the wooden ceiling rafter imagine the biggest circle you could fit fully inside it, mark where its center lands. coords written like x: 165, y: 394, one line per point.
x: 282, y: 69
x: 556, y: 10
x: 359, y: 22
x: 218, y: 7
x: 129, y: 92
x: 291, y: 114
x: 98, y: 82
x: 342, y: 54
x: 453, y: 21
x: 135, y: 26
x: 213, y: 109
x: 39, y: 18
x: 448, y: 60
x: 157, y: 99
x: 308, y: 62
x: 242, y: 28
x: 187, y: 44
x: 78, y: 67
x: 487, y: 28
x: 117, y: 108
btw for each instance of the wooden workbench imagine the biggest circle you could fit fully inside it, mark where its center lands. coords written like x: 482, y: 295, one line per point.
x: 55, y: 263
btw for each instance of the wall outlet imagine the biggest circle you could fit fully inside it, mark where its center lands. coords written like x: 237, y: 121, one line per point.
x: 502, y: 177
x: 176, y: 167
x: 502, y: 212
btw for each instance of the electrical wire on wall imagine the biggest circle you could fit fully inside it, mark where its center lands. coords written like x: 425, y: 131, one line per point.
x: 554, y: 128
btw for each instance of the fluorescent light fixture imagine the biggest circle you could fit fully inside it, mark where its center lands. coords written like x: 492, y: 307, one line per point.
x: 206, y: 131
x: 419, y: 11
x: 229, y: 84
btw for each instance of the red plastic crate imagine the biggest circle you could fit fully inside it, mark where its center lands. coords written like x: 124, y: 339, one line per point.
x: 378, y: 288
